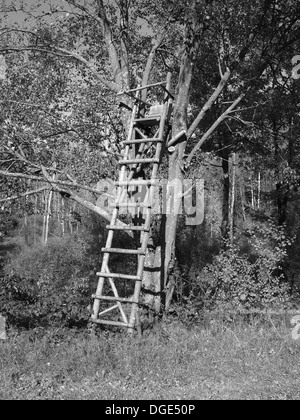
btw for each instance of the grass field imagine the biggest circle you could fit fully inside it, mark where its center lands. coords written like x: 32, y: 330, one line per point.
x: 233, y: 360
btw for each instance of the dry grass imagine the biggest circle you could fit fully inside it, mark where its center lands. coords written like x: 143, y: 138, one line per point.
x: 236, y: 360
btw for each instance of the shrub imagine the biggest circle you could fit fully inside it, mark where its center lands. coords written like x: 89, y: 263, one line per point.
x: 255, y: 280
x: 236, y: 280
x: 60, y: 260
x: 27, y: 305
x: 47, y: 285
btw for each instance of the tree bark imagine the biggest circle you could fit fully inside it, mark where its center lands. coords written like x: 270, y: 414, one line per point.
x: 282, y: 190
x: 226, y: 192
x: 232, y: 196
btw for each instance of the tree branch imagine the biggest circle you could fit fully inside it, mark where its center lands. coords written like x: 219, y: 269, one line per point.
x: 148, y: 67
x: 112, y: 50
x: 90, y: 206
x: 15, y: 197
x: 57, y: 181
x: 111, y: 85
x: 66, y: 54
x: 212, y: 128
x: 209, y: 103
x: 85, y: 10
x: 71, y: 195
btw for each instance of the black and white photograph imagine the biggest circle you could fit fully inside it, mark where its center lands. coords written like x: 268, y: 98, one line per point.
x: 149, y: 202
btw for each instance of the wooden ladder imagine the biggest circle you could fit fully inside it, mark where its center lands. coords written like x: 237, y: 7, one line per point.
x: 142, y: 149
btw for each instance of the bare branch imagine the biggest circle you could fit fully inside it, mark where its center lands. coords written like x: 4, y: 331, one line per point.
x: 209, y: 103
x: 57, y: 133
x: 71, y: 195
x: 15, y: 197
x: 212, y: 128
x: 248, y: 123
x: 21, y: 157
x: 57, y: 181
x: 31, y: 48
x: 85, y: 10
x: 90, y: 206
x: 149, y: 63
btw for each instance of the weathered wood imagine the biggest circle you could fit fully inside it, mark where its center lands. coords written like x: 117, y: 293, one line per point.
x: 148, y: 121
x: 123, y: 251
x: 143, y: 140
x: 135, y: 204
x: 141, y: 88
x: 114, y: 298
x: 137, y: 182
x: 129, y: 227
x: 105, y: 311
x: 118, y: 276
x: 109, y: 322
x: 181, y: 136
x: 131, y: 161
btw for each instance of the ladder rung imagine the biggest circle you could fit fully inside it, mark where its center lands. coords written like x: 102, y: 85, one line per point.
x: 141, y: 88
x: 108, y: 322
x: 146, y: 205
x: 145, y: 140
x: 131, y: 161
x: 139, y: 228
x: 131, y: 95
x: 114, y: 298
x: 124, y: 251
x: 119, y: 276
x: 149, y: 120
x: 137, y: 182
x: 111, y: 308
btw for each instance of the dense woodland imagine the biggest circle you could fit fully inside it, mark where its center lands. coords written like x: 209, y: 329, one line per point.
x: 235, y: 80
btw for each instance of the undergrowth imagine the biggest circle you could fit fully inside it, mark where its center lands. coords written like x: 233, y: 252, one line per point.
x: 47, y: 285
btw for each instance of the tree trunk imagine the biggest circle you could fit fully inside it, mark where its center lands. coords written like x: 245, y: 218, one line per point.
x: 174, y: 204
x: 252, y: 194
x: 226, y: 192
x: 48, y: 217
x: 63, y: 217
x: 175, y: 172
x: 242, y: 195
x: 152, y: 279
x: 232, y: 198
x: 282, y: 191
x: 26, y: 232
x: 258, y: 189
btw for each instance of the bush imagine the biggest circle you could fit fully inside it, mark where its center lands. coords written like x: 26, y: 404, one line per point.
x: 47, y: 285
x: 59, y: 261
x: 237, y: 280
x: 255, y: 280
